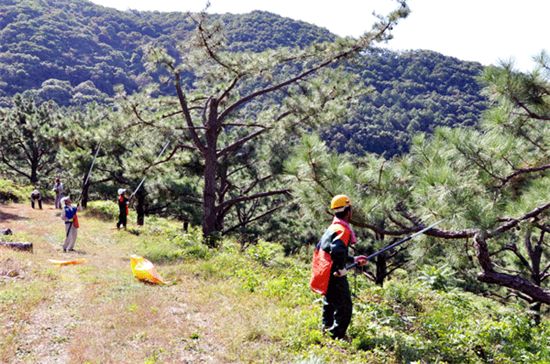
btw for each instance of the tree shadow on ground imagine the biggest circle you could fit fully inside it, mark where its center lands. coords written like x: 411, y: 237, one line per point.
x: 5, y: 216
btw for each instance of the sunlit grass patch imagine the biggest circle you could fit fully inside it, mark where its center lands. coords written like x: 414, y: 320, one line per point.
x: 134, y: 316
x: 17, y: 300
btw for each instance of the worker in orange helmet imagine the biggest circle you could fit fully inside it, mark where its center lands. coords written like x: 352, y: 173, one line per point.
x: 329, y: 268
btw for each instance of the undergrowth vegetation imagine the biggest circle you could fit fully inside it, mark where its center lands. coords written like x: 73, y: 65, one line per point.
x: 407, y: 320
x: 106, y: 210
x: 11, y: 192
x: 255, y: 304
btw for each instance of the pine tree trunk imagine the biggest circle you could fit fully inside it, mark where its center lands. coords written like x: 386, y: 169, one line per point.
x: 381, y: 269
x: 34, y: 174
x: 140, y: 206
x: 209, y: 195
x: 84, y: 197
x: 536, y: 312
x: 210, y: 213
x: 381, y: 260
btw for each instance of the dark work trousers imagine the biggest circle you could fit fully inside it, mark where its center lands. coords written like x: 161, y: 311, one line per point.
x: 122, y: 219
x: 337, y: 307
x: 39, y: 202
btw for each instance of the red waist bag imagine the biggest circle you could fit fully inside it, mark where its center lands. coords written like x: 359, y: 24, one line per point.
x: 75, y: 221
x: 321, y: 265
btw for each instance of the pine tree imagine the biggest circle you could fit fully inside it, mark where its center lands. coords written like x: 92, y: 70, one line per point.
x: 239, y: 100
x: 490, y: 186
x: 27, y: 146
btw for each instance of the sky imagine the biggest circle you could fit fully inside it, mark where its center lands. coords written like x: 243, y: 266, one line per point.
x: 485, y: 31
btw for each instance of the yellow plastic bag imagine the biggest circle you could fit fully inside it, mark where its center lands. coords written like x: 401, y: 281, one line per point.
x: 67, y: 262
x: 144, y: 270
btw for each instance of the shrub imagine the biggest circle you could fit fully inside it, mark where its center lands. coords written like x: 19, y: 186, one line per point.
x: 10, y: 192
x: 163, y: 241
x: 438, y: 278
x: 105, y: 210
x: 265, y: 253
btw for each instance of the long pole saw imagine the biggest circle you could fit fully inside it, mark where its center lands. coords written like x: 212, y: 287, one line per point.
x: 84, y: 185
x: 143, y: 180
x: 90, y: 170
x: 397, y: 243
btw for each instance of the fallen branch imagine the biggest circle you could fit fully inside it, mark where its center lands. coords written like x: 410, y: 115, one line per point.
x: 24, y: 246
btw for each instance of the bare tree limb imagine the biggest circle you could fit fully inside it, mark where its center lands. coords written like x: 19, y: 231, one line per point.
x: 187, y: 114
x: 230, y: 87
x: 542, y: 227
x: 514, y: 222
x: 234, y: 146
x: 248, y: 221
x: 235, y: 200
x: 513, y: 248
x: 522, y: 171
x: 211, y: 53
x: 397, y: 266
x: 530, y: 113
x: 169, y: 157
x: 8, y: 163
x: 517, y: 283
x: 305, y: 74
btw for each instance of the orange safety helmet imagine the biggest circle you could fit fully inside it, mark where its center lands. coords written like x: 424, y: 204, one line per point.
x: 339, y: 203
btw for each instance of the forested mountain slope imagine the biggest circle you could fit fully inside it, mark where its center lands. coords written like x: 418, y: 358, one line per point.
x: 412, y: 91
x: 74, y: 52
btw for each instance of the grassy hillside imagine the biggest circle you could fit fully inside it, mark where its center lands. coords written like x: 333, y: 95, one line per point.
x: 225, y: 305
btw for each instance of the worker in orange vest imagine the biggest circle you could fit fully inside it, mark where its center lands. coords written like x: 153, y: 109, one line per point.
x: 122, y: 208
x: 329, y: 268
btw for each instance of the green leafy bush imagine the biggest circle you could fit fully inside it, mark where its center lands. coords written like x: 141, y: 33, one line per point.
x: 105, y: 210
x: 438, y: 278
x: 265, y: 253
x: 10, y: 192
x: 412, y: 322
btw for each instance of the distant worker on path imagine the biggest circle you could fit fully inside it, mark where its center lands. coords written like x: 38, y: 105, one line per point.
x: 58, y: 189
x: 36, y: 196
x: 329, y: 269
x: 69, y: 215
x: 122, y: 208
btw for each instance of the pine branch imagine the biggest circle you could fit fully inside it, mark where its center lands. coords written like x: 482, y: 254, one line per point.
x: 233, y: 147
x: 250, y: 220
x: 522, y: 171
x: 530, y: 113
x: 513, y: 248
x: 187, y: 114
x: 168, y: 158
x: 515, y: 282
x: 397, y: 266
x: 342, y: 55
x: 8, y: 163
x: 236, y: 200
x: 514, y: 222
x: 211, y: 53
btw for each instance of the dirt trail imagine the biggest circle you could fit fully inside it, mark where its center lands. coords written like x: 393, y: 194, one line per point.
x: 97, y: 312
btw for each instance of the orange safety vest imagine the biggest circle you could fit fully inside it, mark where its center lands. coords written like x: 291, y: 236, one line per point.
x: 322, y: 261
x: 121, y: 200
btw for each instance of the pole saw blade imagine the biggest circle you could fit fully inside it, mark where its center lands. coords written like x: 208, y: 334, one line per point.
x: 397, y: 243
